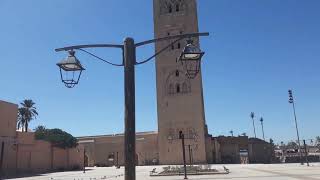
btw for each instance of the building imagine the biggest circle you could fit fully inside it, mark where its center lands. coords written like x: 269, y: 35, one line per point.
x: 21, y: 153
x: 180, y: 106
x: 8, y: 119
x: 179, y: 99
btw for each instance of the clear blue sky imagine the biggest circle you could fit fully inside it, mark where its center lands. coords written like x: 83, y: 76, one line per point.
x: 258, y: 51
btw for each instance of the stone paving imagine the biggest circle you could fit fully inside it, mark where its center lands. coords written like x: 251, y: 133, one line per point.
x: 237, y: 171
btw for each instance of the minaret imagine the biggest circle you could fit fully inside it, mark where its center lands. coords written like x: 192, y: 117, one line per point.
x: 179, y: 99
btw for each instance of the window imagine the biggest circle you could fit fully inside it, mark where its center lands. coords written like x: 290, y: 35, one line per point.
x: 177, y: 7
x: 177, y: 73
x: 178, y: 88
x: 172, y: 6
x: 170, y: 9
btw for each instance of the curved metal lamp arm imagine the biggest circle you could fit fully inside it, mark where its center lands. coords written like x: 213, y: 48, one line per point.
x: 159, y: 52
x: 100, y: 58
x: 89, y: 46
x: 82, y: 47
x: 177, y: 37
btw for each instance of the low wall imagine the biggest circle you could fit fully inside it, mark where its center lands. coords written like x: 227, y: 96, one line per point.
x: 28, y: 156
x: 296, y: 159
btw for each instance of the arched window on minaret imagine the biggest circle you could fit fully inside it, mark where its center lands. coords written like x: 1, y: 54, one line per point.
x: 177, y: 7
x: 177, y: 73
x: 170, y: 9
x: 172, y: 6
x: 178, y: 90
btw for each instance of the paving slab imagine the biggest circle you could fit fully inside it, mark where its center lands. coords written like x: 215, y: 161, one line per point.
x: 237, y: 172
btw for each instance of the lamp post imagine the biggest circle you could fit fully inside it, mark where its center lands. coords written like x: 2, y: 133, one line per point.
x: 84, y: 160
x: 181, y: 136
x: 291, y: 101
x: 261, y: 120
x: 118, y: 160
x: 306, y: 152
x: 190, y: 58
x: 190, y: 154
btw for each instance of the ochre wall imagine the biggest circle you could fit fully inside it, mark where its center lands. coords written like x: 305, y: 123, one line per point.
x: 8, y: 118
x: 39, y: 156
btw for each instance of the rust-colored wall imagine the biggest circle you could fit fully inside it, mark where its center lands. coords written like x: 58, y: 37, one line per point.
x: 39, y: 156
x: 23, y: 154
x: 8, y: 119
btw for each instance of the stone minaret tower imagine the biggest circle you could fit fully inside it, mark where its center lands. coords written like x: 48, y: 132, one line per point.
x: 179, y: 99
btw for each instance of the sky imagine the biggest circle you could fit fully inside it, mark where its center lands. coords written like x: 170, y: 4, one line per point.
x: 257, y: 50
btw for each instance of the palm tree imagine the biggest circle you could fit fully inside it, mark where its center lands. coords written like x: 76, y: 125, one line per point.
x: 231, y: 132
x: 26, y: 113
x: 21, y: 118
x: 318, y: 141
x: 254, y: 128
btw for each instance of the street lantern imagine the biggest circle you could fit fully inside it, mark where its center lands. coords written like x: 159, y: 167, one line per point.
x: 70, y: 70
x: 190, y: 58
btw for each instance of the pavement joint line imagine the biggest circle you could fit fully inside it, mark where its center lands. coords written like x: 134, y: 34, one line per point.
x: 285, y: 174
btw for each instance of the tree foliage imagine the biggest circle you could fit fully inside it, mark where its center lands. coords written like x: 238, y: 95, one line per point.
x: 292, y: 145
x: 57, y: 137
x: 318, y: 141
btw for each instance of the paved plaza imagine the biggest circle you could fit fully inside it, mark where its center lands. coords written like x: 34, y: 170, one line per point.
x: 239, y: 172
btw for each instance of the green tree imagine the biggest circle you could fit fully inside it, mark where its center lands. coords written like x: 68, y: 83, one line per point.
x: 26, y: 113
x: 56, y: 137
x: 40, y: 132
x: 21, y: 118
x: 318, y: 141
x: 292, y: 145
